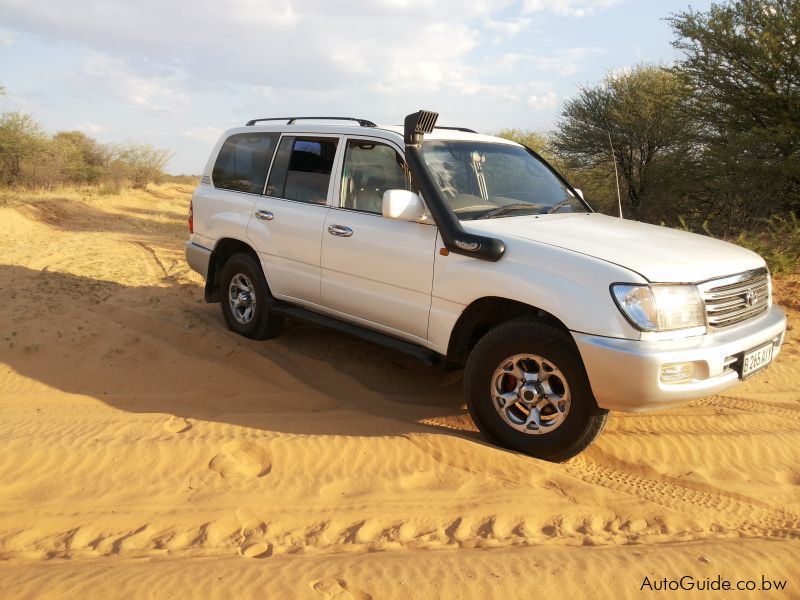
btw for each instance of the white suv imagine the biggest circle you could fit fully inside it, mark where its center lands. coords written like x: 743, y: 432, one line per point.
x: 471, y: 251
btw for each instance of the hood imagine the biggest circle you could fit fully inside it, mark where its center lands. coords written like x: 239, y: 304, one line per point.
x: 660, y: 254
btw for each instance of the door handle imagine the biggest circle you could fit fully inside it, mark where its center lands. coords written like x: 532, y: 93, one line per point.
x: 340, y: 230
x: 264, y: 215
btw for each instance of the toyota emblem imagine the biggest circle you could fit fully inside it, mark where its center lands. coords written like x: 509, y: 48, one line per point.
x: 751, y: 298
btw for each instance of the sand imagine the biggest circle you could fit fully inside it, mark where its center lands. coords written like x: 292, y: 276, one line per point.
x: 147, y: 451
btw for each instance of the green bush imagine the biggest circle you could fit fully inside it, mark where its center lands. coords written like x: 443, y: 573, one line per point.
x: 778, y: 241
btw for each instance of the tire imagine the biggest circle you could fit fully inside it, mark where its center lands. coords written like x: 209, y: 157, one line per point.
x: 567, y: 420
x: 251, y: 317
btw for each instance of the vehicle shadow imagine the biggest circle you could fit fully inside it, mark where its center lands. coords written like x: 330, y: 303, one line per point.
x: 162, y: 349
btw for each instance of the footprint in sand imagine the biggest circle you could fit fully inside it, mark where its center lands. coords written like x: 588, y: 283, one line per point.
x: 251, y: 525
x: 253, y: 529
x: 177, y: 425
x: 241, y: 459
x: 255, y: 548
x: 335, y: 589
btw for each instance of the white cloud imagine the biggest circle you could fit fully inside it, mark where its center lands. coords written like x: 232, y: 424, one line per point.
x: 193, y: 62
x: 545, y: 99
x: 564, y: 62
x: 158, y: 92
x: 203, y: 134
x: 25, y: 101
x: 507, y: 29
x: 89, y: 127
x: 308, y: 44
x: 572, y: 8
x: 313, y: 44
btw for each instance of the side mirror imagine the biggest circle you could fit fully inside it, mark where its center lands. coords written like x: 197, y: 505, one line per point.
x: 402, y: 205
x: 580, y: 193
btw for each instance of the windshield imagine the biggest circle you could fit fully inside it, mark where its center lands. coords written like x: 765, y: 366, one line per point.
x: 484, y: 180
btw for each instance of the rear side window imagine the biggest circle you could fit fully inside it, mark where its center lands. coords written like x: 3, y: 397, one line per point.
x: 302, y: 169
x: 243, y: 162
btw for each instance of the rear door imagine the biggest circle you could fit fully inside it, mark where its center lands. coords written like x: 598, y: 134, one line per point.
x: 287, y: 222
x: 375, y: 270
x: 223, y: 205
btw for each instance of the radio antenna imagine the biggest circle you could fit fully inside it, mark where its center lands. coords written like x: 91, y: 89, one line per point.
x: 616, y: 174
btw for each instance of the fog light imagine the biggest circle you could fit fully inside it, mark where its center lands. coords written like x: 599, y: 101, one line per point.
x: 677, y: 372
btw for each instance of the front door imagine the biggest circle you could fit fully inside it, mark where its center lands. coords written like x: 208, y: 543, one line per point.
x: 375, y: 269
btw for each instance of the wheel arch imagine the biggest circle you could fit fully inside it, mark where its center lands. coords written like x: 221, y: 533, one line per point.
x: 223, y: 250
x: 482, y: 315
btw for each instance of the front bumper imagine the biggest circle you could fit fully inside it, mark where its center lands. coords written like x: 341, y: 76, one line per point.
x: 626, y: 374
x: 198, y: 257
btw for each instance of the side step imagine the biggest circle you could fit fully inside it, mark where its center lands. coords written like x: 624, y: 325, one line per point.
x: 429, y: 357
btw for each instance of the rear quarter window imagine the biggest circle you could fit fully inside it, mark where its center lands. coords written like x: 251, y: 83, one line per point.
x: 243, y: 162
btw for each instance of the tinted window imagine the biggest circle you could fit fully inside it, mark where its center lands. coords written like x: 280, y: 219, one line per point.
x: 302, y: 169
x: 369, y: 170
x: 243, y: 162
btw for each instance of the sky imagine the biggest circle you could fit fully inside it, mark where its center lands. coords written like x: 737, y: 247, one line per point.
x: 177, y: 73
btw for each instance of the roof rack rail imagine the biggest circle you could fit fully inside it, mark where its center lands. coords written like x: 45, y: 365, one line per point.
x: 291, y: 120
x: 464, y: 129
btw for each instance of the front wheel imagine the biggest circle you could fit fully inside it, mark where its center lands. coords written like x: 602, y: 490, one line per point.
x: 245, y: 298
x: 527, y: 390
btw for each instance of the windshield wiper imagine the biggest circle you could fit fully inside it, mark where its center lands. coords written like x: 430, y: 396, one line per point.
x: 508, y: 208
x: 561, y: 204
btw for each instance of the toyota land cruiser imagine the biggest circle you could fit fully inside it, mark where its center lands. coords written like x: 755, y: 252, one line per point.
x: 471, y: 251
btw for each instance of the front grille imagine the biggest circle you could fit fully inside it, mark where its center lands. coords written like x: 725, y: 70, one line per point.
x: 731, y: 300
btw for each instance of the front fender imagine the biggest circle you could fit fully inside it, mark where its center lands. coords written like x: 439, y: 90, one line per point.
x: 570, y: 286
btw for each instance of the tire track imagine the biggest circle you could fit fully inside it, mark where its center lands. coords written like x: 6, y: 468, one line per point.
x: 748, y: 518
x: 765, y: 407
x: 153, y: 254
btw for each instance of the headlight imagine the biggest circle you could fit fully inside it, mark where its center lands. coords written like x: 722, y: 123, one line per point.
x: 660, y: 307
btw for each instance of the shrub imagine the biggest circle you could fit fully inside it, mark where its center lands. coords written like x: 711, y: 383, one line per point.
x: 778, y: 241
x: 144, y: 163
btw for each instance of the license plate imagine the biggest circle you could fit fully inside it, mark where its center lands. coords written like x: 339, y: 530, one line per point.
x: 755, y: 360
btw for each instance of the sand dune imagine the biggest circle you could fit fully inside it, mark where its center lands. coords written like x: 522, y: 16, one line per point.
x: 146, y: 451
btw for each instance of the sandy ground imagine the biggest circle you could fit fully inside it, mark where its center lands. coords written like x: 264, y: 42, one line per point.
x: 146, y: 451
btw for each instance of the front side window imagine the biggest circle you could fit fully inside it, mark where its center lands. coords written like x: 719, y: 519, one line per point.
x: 483, y: 180
x: 370, y: 168
x: 302, y: 169
x: 243, y: 161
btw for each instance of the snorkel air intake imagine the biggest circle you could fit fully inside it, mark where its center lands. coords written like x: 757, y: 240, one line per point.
x: 453, y: 235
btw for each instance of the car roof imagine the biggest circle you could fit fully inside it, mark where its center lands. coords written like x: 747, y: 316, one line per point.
x: 391, y: 132
x: 453, y: 134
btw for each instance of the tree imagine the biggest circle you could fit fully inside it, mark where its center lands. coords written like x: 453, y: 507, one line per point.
x: 144, y: 163
x: 643, y: 112
x: 534, y: 140
x: 84, y: 158
x: 598, y: 183
x: 743, y: 60
x: 22, y: 142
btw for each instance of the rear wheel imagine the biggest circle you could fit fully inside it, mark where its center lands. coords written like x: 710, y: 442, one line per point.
x: 245, y: 299
x: 526, y: 389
